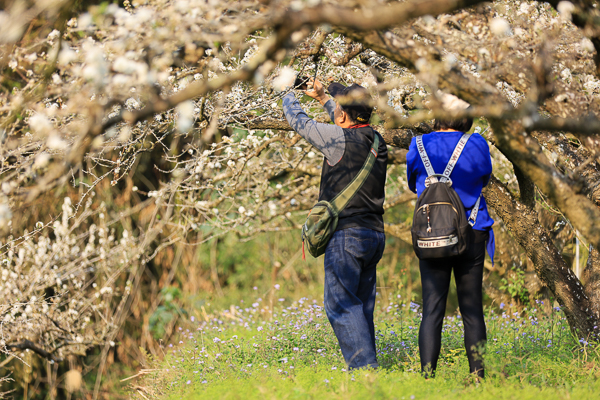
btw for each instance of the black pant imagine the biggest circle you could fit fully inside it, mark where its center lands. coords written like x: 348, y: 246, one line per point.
x: 435, y: 278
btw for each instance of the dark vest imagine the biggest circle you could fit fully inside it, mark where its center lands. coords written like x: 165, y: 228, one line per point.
x: 365, y: 210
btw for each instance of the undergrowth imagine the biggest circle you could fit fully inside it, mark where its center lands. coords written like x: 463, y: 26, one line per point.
x: 289, y: 351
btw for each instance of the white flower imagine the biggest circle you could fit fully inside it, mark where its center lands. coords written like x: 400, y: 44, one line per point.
x: 85, y: 21
x: 53, y: 35
x: 182, y: 6
x: 40, y: 124
x: 5, y: 214
x: 272, y: 208
x: 66, y: 55
x: 422, y: 64
x: 587, y: 45
x: 285, y: 78
x: 242, y: 209
x: 31, y: 57
x: 124, y: 134
x: 96, y: 69
x: 500, y: 27
x: 591, y: 85
x: 41, y: 160
x: 565, y: 8
x: 451, y: 102
x: 185, y: 116
x: 523, y: 9
x: 128, y: 67
x: 132, y: 103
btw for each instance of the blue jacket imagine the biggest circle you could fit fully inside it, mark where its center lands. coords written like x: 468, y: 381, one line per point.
x: 470, y: 175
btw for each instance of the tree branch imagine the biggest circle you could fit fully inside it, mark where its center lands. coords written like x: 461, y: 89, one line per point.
x: 29, y: 345
x: 376, y: 18
x: 526, y: 154
x: 583, y: 128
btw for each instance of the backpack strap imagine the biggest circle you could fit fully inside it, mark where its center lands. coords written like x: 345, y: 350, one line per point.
x: 460, y: 146
x: 445, y: 177
x: 340, y: 201
x: 424, y: 156
x: 474, y: 211
x: 453, y: 159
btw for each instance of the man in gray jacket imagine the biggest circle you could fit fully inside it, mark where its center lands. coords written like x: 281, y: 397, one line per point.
x: 357, y: 245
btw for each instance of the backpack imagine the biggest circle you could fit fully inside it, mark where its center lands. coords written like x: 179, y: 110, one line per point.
x: 440, y: 227
x: 323, y: 217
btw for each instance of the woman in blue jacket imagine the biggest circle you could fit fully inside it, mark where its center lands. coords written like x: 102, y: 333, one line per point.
x: 471, y: 173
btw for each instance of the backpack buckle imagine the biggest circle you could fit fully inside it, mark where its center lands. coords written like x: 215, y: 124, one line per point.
x: 435, y: 178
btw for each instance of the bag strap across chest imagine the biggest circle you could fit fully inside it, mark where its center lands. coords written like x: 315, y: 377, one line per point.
x: 432, y: 177
x: 342, y: 199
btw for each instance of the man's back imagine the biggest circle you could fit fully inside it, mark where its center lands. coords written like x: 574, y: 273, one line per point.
x: 366, y: 208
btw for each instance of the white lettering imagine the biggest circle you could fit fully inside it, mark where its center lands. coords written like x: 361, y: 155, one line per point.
x: 437, y: 243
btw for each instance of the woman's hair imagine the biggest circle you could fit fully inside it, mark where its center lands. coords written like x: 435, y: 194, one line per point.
x: 461, y: 125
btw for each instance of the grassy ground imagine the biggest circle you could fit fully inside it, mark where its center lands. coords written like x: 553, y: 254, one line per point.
x: 288, y: 350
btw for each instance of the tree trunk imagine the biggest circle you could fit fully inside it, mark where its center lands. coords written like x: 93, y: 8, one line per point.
x: 591, y: 277
x: 549, y: 265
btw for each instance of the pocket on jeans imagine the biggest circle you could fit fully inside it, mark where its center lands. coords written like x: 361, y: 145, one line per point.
x: 360, y: 247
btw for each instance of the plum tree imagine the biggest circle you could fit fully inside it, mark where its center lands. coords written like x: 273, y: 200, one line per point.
x: 188, y: 90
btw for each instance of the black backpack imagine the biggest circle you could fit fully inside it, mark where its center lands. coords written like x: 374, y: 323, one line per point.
x: 440, y: 227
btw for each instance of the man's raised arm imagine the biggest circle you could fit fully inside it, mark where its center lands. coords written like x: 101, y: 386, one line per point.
x: 328, y: 139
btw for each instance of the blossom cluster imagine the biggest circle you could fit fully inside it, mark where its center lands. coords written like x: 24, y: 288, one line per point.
x: 59, y: 286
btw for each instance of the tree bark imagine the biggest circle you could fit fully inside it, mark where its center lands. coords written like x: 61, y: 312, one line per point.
x: 552, y: 270
x: 591, y: 277
x: 526, y: 188
x: 526, y: 154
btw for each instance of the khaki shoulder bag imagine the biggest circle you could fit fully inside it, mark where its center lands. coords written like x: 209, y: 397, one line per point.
x: 323, y: 217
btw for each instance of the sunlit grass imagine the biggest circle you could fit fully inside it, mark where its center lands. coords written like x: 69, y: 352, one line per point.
x: 289, y: 351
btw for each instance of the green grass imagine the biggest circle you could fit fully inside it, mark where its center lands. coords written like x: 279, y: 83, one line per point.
x: 291, y: 353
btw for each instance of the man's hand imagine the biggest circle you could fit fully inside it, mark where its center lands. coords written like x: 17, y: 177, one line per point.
x: 316, y: 91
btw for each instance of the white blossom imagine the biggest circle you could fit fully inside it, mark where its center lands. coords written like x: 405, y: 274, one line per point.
x: 40, y: 124
x: 565, y: 8
x: 185, y: 116
x: 284, y: 79
x: 500, y: 27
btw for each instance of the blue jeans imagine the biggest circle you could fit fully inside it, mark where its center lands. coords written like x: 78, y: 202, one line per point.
x: 350, y: 260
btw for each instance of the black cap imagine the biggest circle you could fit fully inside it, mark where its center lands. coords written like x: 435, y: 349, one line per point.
x: 357, y: 108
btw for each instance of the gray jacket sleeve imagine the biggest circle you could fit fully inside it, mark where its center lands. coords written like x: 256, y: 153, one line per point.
x: 330, y: 108
x: 328, y: 139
